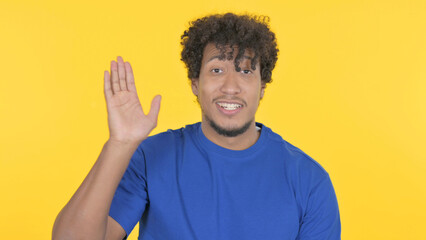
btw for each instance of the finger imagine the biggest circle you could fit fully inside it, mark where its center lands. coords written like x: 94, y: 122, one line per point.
x: 107, y: 86
x: 121, y: 74
x: 114, y: 78
x: 155, y: 109
x: 129, y: 77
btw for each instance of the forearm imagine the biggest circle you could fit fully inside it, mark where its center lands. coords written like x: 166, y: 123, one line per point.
x: 86, y: 213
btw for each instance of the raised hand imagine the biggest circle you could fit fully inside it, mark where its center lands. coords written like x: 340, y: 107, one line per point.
x: 126, y: 120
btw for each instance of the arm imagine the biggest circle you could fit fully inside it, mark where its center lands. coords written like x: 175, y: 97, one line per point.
x: 322, y: 218
x: 86, y: 214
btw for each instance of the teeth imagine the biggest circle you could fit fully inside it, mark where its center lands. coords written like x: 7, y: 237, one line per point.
x: 229, y: 106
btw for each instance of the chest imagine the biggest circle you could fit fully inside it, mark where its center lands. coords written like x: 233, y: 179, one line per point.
x: 209, y: 197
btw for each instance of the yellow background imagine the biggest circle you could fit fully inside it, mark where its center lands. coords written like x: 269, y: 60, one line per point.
x: 349, y: 90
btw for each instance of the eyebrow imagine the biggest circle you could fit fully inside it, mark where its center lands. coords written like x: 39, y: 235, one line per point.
x: 218, y: 57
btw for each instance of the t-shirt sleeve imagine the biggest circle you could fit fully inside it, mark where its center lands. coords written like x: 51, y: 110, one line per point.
x: 130, y: 197
x: 322, y: 219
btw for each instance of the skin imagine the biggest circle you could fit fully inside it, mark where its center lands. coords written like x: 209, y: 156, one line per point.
x: 219, y: 82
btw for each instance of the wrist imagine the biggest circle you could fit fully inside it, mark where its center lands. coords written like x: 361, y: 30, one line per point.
x: 123, y: 142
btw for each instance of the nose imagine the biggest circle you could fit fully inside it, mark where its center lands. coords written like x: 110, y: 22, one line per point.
x: 230, y: 84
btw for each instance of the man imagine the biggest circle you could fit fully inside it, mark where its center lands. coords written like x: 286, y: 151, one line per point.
x: 227, y: 177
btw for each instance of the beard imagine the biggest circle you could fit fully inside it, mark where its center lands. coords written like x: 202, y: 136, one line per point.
x: 229, y: 132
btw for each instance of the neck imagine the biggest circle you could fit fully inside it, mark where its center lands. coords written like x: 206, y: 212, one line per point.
x: 240, y: 142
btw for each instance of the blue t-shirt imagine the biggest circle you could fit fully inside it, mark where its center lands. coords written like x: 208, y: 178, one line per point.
x: 180, y: 185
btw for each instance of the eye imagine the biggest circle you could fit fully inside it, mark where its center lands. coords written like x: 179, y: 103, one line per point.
x: 246, y: 71
x: 216, y: 70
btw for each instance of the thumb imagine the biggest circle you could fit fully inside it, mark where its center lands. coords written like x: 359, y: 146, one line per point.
x: 155, y: 109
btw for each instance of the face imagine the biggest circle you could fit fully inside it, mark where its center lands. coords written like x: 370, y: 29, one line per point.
x: 228, y: 99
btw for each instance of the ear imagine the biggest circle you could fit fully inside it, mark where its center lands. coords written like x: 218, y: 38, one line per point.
x: 262, y: 90
x: 194, y: 86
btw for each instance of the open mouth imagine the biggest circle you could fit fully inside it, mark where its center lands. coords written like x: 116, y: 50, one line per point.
x: 229, y: 106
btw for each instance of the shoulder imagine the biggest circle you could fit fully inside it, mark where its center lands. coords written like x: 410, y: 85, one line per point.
x: 307, y: 178
x: 295, y: 160
x: 168, y: 139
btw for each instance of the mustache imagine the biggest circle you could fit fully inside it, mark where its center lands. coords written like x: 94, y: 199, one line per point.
x: 233, y: 98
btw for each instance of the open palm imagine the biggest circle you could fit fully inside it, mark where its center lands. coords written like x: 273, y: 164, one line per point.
x: 126, y: 120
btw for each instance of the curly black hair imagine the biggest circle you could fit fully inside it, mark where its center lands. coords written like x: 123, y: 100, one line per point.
x: 242, y: 31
